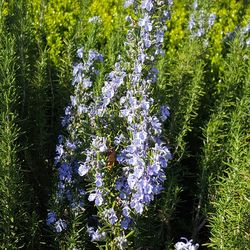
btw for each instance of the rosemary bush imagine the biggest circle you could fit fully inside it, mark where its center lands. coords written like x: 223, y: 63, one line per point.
x: 95, y: 182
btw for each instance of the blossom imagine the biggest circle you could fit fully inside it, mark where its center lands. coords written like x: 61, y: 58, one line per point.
x: 51, y: 218
x: 95, y: 19
x: 121, y: 242
x: 211, y: 19
x: 191, y: 23
x: 110, y: 216
x: 147, y: 4
x: 98, y: 179
x: 96, y: 235
x: 164, y: 112
x: 65, y: 172
x: 145, y: 22
x: 99, y: 143
x: 80, y: 53
x: 125, y: 223
x: 195, y: 5
x: 60, y: 225
x: 97, y: 197
x: 128, y: 3
x: 159, y: 36
x: 186, y: 246
x: 83, y: 169
x: 59, y: 153
x: 248, y: 42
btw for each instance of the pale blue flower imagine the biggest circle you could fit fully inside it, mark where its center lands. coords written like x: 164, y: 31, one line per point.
x: 51, y: 218
x: 159, y: 36
x: 126, y: 211
x: 100, y: 143
x: 95, y: 19
x: 248, y: 42
x: 147, y: 4
x: 96, y: 235
x: 121, y: 242
x: 132, y: 180
x: 110, y: 216
x: 128, y: 3
x: 186, y: 246
x: 211, y: 20
x: 98, y: 179
x: 137, y: 205
x: 195, y: 5
x: 191, y: 23
x: 145, y: 22
x: 83, y: 169
x: 246, y: 29
x: 164, y: 112
x: 80, y: 53
x: 97, y: 197
x: 60, y: 225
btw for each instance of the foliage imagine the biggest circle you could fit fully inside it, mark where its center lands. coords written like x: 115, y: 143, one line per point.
x: 226, y: 153
x: 60, y: 19
x: 110, y: 14
x: 229, y: 16
x: 15, y: 224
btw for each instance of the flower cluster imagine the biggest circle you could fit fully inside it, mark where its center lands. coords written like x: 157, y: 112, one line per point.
x: 244, y: 35
x: 200, y: 22
x: 115, y: 149
x: 68, y: 188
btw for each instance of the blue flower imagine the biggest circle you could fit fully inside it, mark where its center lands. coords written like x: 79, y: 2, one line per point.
x: 195, y: 5
x: 166, y: 15
x: 186, y: 246
x: 65, y: 172
x: 59, y: 153
x: 132, y: 180
x: 109, y: 215
x: 96, y: 235
x: 125, y: 223
x: 126, y: 211
x: 87, y: 83
x: 80, y: 53
x: 164, y: 112
x: 60, y: 225
x: 246, y: 29
x: 99, y: 143
x: 95, y: 19
x: 51, y: 218
x: 248, y: 42
x: 128, y: 3
x: 78, y: 69
x: 147, y: 4
x: 159, y: 36
x: 191, y: 23
x: 97, y: 197
x: 170, y: 2
x: 70, y: 145
x: 137, y: 205
x: 145, y: 22
x: 211, y: 19
x: 83, y: 169
x: 93, y: 55
x: 146, y: 40
x: 98, y: 179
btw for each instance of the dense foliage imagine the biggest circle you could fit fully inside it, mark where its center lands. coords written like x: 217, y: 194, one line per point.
x: 124, y: 127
